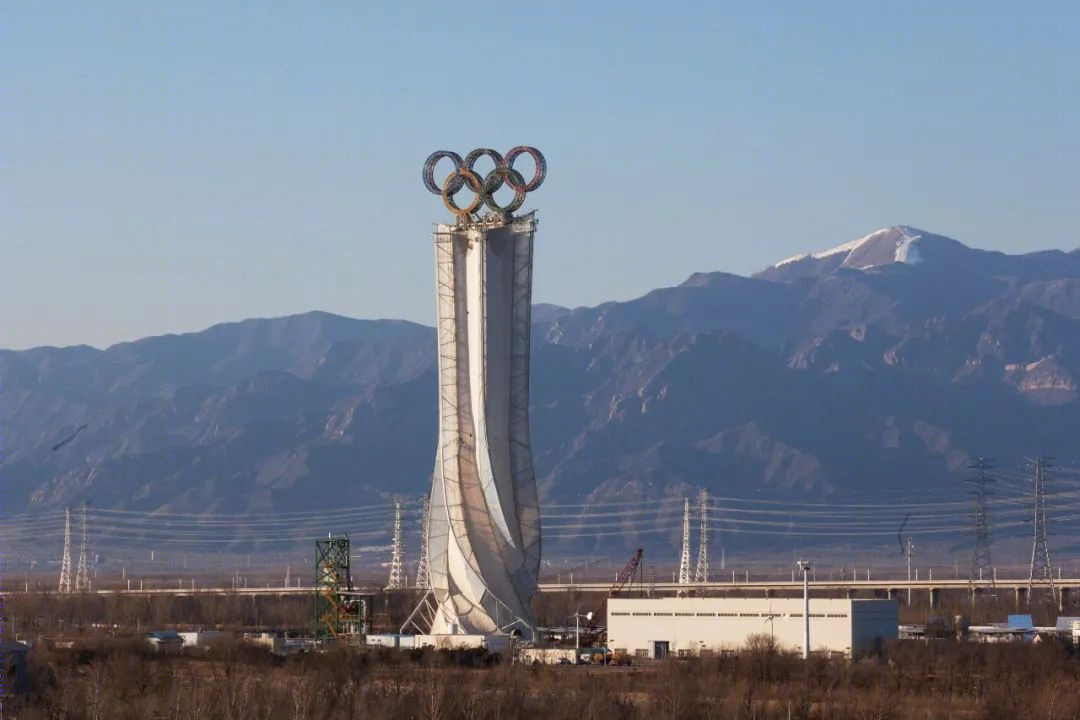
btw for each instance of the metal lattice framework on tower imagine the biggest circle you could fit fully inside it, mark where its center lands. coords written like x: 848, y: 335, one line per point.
x: 340, y: 611
x: 423, y: 576
x: 701, y: 572
x: 982, y: 568
x: 1040, y: 572
x: 684, y: 561
x: 82, y: 575
x: 397, y: 559
x: 65, y: 564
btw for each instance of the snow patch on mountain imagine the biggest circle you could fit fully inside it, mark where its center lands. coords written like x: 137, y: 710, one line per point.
x: 845, y: 248
x: 902, y: 237
x: 908, y: 251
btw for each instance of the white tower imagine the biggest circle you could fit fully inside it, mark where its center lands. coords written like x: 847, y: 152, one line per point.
x: 701, y: 573
x: 82, y: 575
x: 397, y: 560
x: 65, y: 564
x: 684, y: 562
x: 484, y: 530
x: 423, y: 577
x: 484, y: 534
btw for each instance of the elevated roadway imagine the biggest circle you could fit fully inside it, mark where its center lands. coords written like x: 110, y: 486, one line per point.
x: 891, y: 587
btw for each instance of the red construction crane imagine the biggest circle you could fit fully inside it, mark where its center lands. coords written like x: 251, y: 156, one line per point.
x: 621, y: 580
x: 626, y: 574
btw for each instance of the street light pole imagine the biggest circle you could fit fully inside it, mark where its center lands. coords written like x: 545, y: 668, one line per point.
x: 577, y: 627
x: 805, y: 566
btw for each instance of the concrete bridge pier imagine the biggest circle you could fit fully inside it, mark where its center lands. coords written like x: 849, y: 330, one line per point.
x: 1021, y: 597
x: 935, y: 593
x: 893, y: 594
x: 1063, y: 600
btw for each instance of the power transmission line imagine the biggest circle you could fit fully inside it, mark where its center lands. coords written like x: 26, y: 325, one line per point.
x: 932, y: 518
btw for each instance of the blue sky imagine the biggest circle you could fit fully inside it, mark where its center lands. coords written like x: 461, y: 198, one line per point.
x: 171, y: 165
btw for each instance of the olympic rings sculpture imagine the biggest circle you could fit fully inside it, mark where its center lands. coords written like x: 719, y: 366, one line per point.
x: 464, y: 175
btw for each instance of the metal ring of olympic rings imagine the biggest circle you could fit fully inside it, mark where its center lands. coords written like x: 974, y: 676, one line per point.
x: 429, y: 170
x: 464, y: 174
x: 538, y: 160
x: 494, y: 181
x: 458, y: 179
x: 483, y: 189
x: 471, y: 158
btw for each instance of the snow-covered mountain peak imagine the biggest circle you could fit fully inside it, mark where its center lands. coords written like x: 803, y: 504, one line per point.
x: 898, y: 243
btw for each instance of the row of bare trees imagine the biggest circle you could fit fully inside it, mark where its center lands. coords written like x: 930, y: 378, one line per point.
x: 50, y: 614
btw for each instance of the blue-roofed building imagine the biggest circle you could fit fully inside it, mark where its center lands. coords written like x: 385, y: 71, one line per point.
x: 1020, y: 622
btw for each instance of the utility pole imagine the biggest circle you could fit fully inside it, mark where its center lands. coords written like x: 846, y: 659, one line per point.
x: 65, y: 564
x: 684, y: 562
x: 82, y: 575
x: 805, y: 566
x: 423, y: 575
x: 910, y: 553
x: 982, y: 568
x: 701, y: 573
x: 397, y: 561
x: 1040, y: 571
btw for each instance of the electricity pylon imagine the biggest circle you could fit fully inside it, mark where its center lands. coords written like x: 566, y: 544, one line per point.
x: 65, y: 564
x: 423, y: 576
x: 82, y: 575
x: 684, y: 562
x: 701, y: 572
x: 397, y: 561
x: 1040, y: 572
x: 982, y: 568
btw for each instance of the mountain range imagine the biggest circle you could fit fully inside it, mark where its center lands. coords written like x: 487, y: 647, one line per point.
x: 874, y: 370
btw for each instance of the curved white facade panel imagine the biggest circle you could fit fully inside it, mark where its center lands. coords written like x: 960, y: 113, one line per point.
x: 484, y: 533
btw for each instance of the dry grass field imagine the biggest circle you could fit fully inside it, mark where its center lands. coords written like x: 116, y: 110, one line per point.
x: 109, y: 672
x: 118, y: 679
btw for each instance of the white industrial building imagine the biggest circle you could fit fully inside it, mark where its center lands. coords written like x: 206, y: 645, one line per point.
x: 656, y: 627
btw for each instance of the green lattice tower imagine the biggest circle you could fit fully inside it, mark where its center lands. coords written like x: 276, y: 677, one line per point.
x: 338, y: 610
